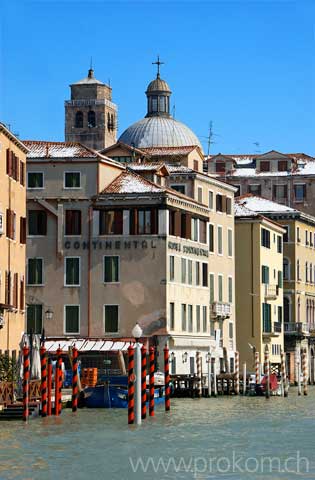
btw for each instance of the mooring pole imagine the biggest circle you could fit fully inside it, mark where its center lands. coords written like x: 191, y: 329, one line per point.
x: 167, y: 380
x: 26, y: 378
x: 138, y: 383
x: 43, y: 362
x: 151, y: 383
x: 237, y: 373
x: 74, y: 379
x: 131, y: 385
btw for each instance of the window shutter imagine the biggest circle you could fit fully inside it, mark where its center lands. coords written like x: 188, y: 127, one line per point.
x: 22, y: 293
x: 177, y: 228
x: 223, y: 203
x: 6, y: 296
x: 8, y: 161
x: 8, y: 223
x: 188, y: 226
x: 134, y: 221
x: 15, y: 290
x: 17, y: 169
x: 22, y: 230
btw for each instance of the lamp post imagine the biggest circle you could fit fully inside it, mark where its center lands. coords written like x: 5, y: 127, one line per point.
x: 137, y: 333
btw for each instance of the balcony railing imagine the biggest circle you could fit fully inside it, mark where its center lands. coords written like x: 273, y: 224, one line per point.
x: 221, y: 309
x: 296, y: 328
x: 277, y: 327
x: 271, y: 292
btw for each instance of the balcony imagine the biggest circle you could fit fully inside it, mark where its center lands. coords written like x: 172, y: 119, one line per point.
x: 221, y: 309
x: 271, y: 292
x: 270, y: 330
x: 296, y: 328
x: 277, y: 327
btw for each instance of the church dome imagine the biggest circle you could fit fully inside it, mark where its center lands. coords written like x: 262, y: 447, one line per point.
x: 159, y: 131
x: 158, y: 85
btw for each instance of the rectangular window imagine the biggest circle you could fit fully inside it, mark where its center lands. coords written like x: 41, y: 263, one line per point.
x: 299, y: 193
x: 72, y: 271
x: 34, y: 319
x: 231, y: 331
x: 286, y: 236
x: 204, y: 319
x: 211, y: 238
x: 254, y: 190
x: 264, y: 166
x: 10, y: 224
x: 22, y: 173
x: 73, y: 222
x: 179, y: 188
x: 22, y: 230
x: 190, y: 318
x: 200, y: 194
x: 184, y: 322
x: 198, y: 318
x: 211, y: 287
x: 72, y: 180
x: 190, y: 272
x: 280, y: 192
x: 35, y: 271
x: 35, y: 180
x: 37, y: 222
x: 280, y: 279
x: 219, y: 203
x: 266, y: 308
x: 72, y: 319
x: 306, y: 238
x: 230, y: 242
x: 282, y: 166
x: 184, y: 268
x: 111, y: 222
x: 202, y: 231
x: 204, y: 274
x: 172, y: 316
x: 220, y: 246
x: 111, y: 269
x: 279, y: 244
x: 197, y: 273
x: 220, y: 167
x: 144, y: 222
x: 265, y: 238
x: 280, y: 314
x: 210, y: 196
x: 230, y: 289
x: 228, y: 206
x: 194, y: 229
x: 111, y: 314
x: 298, y: 234
x: 220, y: 288
x: 172, y: 268
x: 265, y: 274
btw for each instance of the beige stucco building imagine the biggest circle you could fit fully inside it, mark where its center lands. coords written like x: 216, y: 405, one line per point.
x: 259, y: 286
x: 12, y: 239
x: 298, y: 277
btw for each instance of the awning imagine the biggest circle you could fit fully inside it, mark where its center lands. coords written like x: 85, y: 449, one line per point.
x: 84, y: 345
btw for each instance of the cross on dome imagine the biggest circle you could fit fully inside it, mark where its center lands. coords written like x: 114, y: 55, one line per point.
x: 158, y: 63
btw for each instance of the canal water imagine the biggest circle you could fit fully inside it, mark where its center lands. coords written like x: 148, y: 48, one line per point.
x: 222, y: 438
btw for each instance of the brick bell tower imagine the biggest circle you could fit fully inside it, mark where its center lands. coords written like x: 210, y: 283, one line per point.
x: 90, y: 115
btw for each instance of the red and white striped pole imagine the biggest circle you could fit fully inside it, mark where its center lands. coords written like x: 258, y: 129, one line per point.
x: 74, y: 378
x: 283, y: 375
x: 267, y: 371
x: 257, y: 368
x: 49, y: 382
x: 199, y: 374
x: 58, y: 382
x: 151, y: 382
x: 131, y: 385
x: 167, y: 380
x: 237, y: 373
x: 304, y: 372
x: 26, y: 378
x: 43, y: 362
x: 143, y: 382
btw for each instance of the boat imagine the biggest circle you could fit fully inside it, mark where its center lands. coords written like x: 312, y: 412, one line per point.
x: 108, y: 395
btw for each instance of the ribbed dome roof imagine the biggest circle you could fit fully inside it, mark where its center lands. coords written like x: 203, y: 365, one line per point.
x: 158, y: 85
x: 159, y: 132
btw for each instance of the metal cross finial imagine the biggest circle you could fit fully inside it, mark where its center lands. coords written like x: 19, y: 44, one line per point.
x: 158, y: 63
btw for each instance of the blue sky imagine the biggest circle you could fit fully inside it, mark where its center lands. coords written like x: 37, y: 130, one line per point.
x: 246, y: 65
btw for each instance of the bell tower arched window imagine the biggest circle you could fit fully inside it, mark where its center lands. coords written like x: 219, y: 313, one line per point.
x: 79, y: 119
x: 91, y: 119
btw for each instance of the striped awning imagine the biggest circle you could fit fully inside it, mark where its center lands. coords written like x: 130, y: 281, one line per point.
x: 86, y: 345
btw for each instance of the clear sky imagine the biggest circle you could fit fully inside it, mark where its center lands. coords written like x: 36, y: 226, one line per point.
x: 246, y: 65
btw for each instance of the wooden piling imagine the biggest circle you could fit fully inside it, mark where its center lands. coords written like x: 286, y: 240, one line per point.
x: 237, y: 373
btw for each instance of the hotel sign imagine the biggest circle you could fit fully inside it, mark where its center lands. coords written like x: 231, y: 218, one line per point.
x: 188, y: 249
x: 109, y: 244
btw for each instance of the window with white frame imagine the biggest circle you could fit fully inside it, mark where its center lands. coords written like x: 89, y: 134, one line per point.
x: 35, y: 180
x: 189, y: 272
x: 35, y: 271
x: 198, y: 318
x: 230, y: 289
x: 72, y: 180
x: 184, y: 269
x: 204, y: 319
x: 210, y: 199
x: 172, y: 316
x: 211, y: 287
x: 211, y: 238
x: 72, y: 319
x: 190, y: 318
x: 183, y: 315
x: 111, y: 318
x: 172, y: 268
x: 230, y: 242
x: 220, y: 288
x: 34, y: 318
x: 197, y: 273
x: 72, y: 271
x: 194, y: 229
x: 111, y: 269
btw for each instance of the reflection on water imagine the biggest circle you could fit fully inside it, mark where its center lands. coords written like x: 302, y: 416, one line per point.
x: 98, y: 444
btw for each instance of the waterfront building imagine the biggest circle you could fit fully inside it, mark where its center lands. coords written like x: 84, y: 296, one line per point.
x: 298, y: 277
x: 90, y: 114
x: 285, y: 178
x: 12, y: 239
x: 259, y: 286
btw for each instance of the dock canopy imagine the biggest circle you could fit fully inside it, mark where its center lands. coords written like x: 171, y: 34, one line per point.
x: 86, y: 345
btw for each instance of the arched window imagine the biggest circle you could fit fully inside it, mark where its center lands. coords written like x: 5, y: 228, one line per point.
x: 79, y: 120
x: 286, y: 269
x: 286, y: 309
x: 91, y: 119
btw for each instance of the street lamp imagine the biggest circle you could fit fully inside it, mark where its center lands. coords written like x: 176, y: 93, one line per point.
x: 137, y: 334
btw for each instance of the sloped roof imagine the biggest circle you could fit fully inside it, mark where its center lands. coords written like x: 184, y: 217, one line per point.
x: 242, y: 211
x: 90, y: 79
x: 262, y: 205
x: 130, y: 182
x: 124, y: 146
x: 43, y: 149
x: 170, y: 150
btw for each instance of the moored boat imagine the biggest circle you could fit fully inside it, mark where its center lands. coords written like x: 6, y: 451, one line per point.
x: 108, y: 395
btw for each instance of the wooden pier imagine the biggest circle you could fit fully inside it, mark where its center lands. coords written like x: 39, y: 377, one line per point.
x: 187, y: 385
